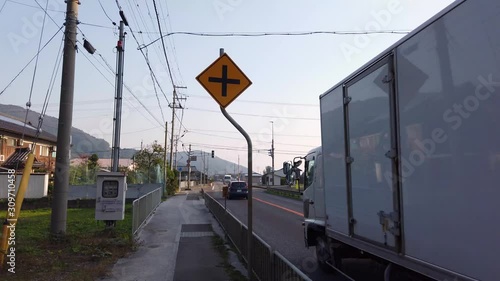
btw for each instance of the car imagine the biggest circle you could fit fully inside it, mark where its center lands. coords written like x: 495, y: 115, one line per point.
x: 237, y: 189
x: 227, y: 179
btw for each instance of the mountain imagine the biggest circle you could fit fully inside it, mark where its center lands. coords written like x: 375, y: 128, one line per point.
x: 83, y: 143
x: 215, y: 165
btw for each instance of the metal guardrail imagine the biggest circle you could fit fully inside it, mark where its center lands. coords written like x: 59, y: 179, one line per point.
x: 143, y: 207
x: 268, y: 264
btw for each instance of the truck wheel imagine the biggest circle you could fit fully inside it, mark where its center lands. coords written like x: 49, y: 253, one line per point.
x: 323, y: 253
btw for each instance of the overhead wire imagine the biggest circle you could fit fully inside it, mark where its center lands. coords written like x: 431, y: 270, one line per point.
x: 171, y: 41
x: 28, y: 104
x: 3, y: 6
x: 255, y: 133
x: 104, y: 11
x: 111, y: 83
x: 163, y: 44
x: 255, y: 115
x: 50, y: 88
x: 261, y: 102
x: 262, y: 34
x: 29, y: 62
x: 32, y: 6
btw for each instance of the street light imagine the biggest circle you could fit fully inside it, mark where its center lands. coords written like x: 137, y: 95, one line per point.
x: 272, y: 150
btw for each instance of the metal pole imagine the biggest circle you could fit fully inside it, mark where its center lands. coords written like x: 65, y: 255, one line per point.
x: 174, y: 96
x: 118, y: 99
x: 61, y: 180
x: 189, y: 169
x: 250, y: 208
x: 272, y: 149
x: 165, y: 157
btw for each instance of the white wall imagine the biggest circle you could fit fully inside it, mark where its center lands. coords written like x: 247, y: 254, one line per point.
x: 37, y: 187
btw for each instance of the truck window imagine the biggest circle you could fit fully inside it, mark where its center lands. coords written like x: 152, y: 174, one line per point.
x: 309, y: 173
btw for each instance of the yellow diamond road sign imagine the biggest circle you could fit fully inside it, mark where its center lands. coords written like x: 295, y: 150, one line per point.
x: 224, y: 80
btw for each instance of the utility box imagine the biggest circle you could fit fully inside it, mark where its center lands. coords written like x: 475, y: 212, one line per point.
x: 110, y: 197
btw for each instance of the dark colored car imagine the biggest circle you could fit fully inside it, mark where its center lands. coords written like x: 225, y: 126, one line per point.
x: 237, y: 189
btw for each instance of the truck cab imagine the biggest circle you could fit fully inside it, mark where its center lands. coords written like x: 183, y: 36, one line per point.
x: 313, y: 196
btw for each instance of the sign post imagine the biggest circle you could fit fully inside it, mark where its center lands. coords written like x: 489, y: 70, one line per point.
x: 224, y: 81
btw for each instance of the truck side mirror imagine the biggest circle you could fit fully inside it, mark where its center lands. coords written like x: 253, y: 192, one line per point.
x: 297, y: 163
x: 286, y: 168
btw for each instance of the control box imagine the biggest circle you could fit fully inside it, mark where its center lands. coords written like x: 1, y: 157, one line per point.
x: 110, y: 197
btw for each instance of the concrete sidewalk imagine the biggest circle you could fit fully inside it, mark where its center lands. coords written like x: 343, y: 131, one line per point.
x: 176, y: 245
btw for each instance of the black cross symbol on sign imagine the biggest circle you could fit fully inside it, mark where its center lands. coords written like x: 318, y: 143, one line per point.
x: 224, y: 80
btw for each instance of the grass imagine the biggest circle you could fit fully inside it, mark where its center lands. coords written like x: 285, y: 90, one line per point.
x: 296, y: 196
x: 87, y: 251
x: 220, y: 246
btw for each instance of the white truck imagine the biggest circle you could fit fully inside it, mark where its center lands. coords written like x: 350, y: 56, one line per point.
x: 409, y: 168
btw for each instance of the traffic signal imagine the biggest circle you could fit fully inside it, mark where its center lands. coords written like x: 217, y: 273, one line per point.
x: 213, y: 154
x: 270, y: 152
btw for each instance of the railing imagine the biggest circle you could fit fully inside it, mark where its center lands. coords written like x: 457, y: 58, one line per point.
x: 143, y: 207
x: 268, y: 264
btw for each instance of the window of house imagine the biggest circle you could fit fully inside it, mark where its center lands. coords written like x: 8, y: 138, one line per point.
x: 44, y: 150
x: 11, y: 142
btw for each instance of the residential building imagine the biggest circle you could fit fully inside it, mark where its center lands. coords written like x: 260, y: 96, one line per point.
x: 17, y: 139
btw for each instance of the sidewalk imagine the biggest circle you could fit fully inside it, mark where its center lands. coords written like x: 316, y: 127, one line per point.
x: 176, y: 244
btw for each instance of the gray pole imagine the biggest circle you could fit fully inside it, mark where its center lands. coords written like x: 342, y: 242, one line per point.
x: 165, y: 157
x: 118, y: 99
x: 272, y: 149
x: 61, y: 180
x: 189, y: 169
x: 174, y: 97
x: 250, y: 197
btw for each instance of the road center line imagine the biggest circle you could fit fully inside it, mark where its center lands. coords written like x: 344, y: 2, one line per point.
x: 280, y: 207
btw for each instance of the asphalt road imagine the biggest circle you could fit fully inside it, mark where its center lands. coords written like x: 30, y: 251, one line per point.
x: 278, y: 221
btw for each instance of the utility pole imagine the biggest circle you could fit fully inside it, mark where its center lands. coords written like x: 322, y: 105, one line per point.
x: 120, y: 49
x: 61, y: 181
x: 272, y: 149
x: 189, y: 168
x: 165, y: 157
x: 174, y: 106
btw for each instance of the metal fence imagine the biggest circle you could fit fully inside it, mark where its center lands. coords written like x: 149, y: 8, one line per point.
x: 143, y: 207
x: 268, y: 264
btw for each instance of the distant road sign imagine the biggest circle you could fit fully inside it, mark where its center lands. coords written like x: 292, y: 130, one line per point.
x: 224, y: 80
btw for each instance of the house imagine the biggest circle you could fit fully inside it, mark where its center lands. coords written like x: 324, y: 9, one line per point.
x: 195, y: 175
x: 17, y: 139
x: 256, y: 178
x: 106, y: 163
x: 278, y: 175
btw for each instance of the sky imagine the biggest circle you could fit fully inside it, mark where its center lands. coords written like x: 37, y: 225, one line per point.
x: 288, y: 72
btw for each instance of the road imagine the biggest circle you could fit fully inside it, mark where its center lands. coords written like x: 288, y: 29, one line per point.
x: 278, y: 221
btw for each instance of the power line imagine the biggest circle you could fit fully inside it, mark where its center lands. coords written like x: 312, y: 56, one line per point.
x: 32, y: 6
x: 1, y: 9
x: 112, y: 85
x: 262, y: 102
x: 97, y: 25
x: 163, y: 44
x: 234, y: 132
x: 256, y: 115
x: 100, y: 4
x: 50, y: 88
x: 262, y: 34
x: 29, y: 62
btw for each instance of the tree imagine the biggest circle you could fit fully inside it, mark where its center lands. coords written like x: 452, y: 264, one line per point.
x: 148, y: 159
x: 92, y: 162
x: 267, y: 170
